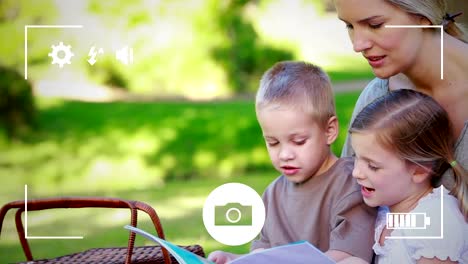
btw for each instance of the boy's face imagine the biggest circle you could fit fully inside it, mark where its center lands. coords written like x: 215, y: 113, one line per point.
x: 297, y: 145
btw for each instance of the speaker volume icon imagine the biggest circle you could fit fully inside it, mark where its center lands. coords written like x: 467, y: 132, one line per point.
x: 125, y: 55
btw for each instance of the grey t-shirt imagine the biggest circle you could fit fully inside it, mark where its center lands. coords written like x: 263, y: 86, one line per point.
x: 380, y: 87
x: 327, y: 210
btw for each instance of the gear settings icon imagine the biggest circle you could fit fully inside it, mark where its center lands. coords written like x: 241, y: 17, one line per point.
x: 64, y: 52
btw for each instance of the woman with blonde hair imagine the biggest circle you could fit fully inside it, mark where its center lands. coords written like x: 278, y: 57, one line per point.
x: 401, y: 149
x: 409, y: 58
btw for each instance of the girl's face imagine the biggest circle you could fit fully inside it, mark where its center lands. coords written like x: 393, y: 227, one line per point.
x: 389, y: 51
x: 385, y: 178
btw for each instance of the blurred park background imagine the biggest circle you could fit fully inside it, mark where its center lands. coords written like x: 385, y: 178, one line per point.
x: 166, y: 129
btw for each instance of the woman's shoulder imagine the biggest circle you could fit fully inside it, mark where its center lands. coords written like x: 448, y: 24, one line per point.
x: 374, y: 89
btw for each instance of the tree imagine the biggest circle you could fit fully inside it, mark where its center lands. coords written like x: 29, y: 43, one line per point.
x: 16, y: 103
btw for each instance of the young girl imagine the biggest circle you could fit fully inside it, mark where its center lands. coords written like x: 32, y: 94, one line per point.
x: 403, y: 144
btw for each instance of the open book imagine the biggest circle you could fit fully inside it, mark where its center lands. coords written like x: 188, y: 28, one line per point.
x: 181, y: 255
x: 294, y: 253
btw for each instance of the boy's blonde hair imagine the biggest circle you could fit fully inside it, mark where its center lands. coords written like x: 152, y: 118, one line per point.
x: 435, y: 11
x: 418, y: 129
x: 299, y: 85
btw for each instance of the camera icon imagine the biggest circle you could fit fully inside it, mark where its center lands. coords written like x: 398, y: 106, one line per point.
x: 233, y: 214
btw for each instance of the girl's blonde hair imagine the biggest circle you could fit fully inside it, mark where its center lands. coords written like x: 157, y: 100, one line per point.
x: 418, y: 129
x: 435, y: 11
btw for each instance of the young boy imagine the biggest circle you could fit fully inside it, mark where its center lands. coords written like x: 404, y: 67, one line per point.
x: 315, y: 199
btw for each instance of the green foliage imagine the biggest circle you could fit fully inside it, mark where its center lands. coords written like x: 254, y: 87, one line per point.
x: 108, y: 72
x: 197, y: 49
x: 134, y: 12
x: 243, y: 56
x: 209, y: 49
x: 14, y: 15
x: 344, y: 108
x: 172, y: 42
x: 16, y: 103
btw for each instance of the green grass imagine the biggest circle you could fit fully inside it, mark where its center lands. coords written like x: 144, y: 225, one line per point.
x: 168, y: 154
x: 348, y: 69
x: 121, y: 145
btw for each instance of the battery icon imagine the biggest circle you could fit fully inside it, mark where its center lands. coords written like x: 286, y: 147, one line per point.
x: 407, y: 221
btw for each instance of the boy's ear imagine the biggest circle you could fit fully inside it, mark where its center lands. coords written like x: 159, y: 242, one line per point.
x: 331, y: 130
x: 419, y: 173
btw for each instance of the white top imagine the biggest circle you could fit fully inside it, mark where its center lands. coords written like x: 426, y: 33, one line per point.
x: 426, y: 242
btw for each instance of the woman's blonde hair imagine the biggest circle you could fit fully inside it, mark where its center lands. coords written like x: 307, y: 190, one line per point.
x: 418, y: 129
x: 435, y: 11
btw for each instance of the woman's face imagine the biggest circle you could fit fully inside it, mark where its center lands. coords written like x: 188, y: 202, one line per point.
x: 389, y: 51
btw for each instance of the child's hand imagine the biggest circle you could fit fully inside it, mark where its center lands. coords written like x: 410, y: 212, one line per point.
x: 352, y: 260
x: 221, y: 257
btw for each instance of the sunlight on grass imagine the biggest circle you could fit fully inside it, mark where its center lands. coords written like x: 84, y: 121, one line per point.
x: 44, y: 223
x: 259, y: 155
x: 46, y: 103
x: 115, y: 218
x: 177, y: 207
x: 107, y: 172
x: 144, y: 141
x: 204, y: 159
x: 226, y: 167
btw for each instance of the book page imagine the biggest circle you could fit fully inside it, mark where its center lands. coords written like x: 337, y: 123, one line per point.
x: 295, y: 253
x: 181, y: 255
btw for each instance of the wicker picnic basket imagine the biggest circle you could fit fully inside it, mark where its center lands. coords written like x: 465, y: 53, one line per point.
x: 111, y: 255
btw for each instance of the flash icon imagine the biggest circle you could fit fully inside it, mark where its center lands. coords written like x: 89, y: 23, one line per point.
x: 92, y: 54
